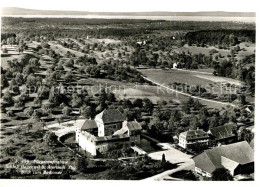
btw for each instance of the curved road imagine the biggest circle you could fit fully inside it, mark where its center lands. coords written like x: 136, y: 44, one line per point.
x: 189, y: 95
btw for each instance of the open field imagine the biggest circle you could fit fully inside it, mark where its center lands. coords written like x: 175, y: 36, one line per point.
x: 62, y: 50
x: 77, y: 69
x: 166, y: 77
x: 249, y: 50
x: 219, y: 79
x: 11, y: 57
x: 191, y: 78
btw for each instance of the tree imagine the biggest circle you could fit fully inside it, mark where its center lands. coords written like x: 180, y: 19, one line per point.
x: 76, y: 100
x: 10, y: 113
x: 138, y: 103
x: 70, y: 63
x: 147, y: 105
x: 68, y: 77
x: 29, y: 126
x: 8, y: 98
x: 66, y: 110
x: 59, y: 67
x: 163, y: 158
x: 4, y: 81
x: 36, y: 115
x: 19, y: 79
x: 221, y: 174
x: 82, y: 164
x: 34, y: 62
x: 31, y: 81
x: 127, y: 104
x: 87, y: 111
x: 27, y: 70
x: 4, y: 50
x: 186, y: 109
x: 60, y: 120
x: 103, y: 96
x: 111, y: 97
x: 50, y: 138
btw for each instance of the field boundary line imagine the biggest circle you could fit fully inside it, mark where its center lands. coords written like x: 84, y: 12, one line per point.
x: 189, y: 95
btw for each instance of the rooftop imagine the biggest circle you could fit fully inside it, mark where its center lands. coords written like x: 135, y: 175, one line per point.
x: 133, y: 125
x: 194, y: 134
x: 111, y: 116
x: 85, y: 124
x: 239, y: 152
x: 222, y: 132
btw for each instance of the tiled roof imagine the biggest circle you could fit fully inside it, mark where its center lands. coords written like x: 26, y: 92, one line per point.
x: 86, y: 124
x: 120, y: 131
x: 239, y: 152
x: 111, y: 116
x: 222, y: 132
x: 194, y: 134
x: 133, y: 125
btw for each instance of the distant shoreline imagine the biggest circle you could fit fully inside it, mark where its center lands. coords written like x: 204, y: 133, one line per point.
x: 151, y: 17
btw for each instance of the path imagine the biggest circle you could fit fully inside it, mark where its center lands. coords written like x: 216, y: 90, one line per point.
x: 174, y: 156
x: 189, y: 95
x: 62, y: 128
x: 164, y: 175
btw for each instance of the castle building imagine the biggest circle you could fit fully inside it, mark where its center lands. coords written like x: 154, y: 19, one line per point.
x: 108, y: 128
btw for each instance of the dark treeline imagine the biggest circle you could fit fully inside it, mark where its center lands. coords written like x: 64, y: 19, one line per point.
x: 238, y: 70
x: 75, y: 21
x: 220, y: 37
x: 161, y: 24
x: 7, y: 35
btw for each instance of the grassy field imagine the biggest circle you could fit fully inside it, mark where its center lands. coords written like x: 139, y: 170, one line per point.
x: 249, y: 49
x: 62, y: 50
x: 219, y: 79
x: 167, y: 77
x: 11, y: 57
x: 191, y: 78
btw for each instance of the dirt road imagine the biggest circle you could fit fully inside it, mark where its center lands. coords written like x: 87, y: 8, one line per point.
x: 188, y: 95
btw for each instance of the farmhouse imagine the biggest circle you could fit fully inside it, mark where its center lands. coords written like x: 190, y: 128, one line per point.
x: 238, y: 158
x: 223, y: 134
x: 108, y: 128
x: 190, y: 138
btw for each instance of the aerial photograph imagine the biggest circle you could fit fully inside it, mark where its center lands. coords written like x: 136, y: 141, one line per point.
x: 126, y: 94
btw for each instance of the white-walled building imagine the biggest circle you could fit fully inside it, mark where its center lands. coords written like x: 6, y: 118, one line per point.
x: 108, y: 128
x: 189, y: 138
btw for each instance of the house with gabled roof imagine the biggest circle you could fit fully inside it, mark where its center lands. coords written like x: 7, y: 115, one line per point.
x: 108, y: 128
x: 238, y: 158
x: 223, y: 134
x: 189, y: 138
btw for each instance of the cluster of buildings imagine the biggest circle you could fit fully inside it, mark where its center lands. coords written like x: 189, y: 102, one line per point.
x: 221, y: 135
x: 237, y: 157
x: 108, y: 128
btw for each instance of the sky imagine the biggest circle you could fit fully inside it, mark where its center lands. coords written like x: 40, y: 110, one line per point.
x: 135, y: 5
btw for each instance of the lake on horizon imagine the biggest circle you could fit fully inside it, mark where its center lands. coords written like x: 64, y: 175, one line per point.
x: 167, y: 18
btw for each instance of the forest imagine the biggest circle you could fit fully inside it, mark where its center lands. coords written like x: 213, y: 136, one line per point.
x: 220, y: 37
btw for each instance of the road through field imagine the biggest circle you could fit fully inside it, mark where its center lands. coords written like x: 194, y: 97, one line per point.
x: 188, y: 95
